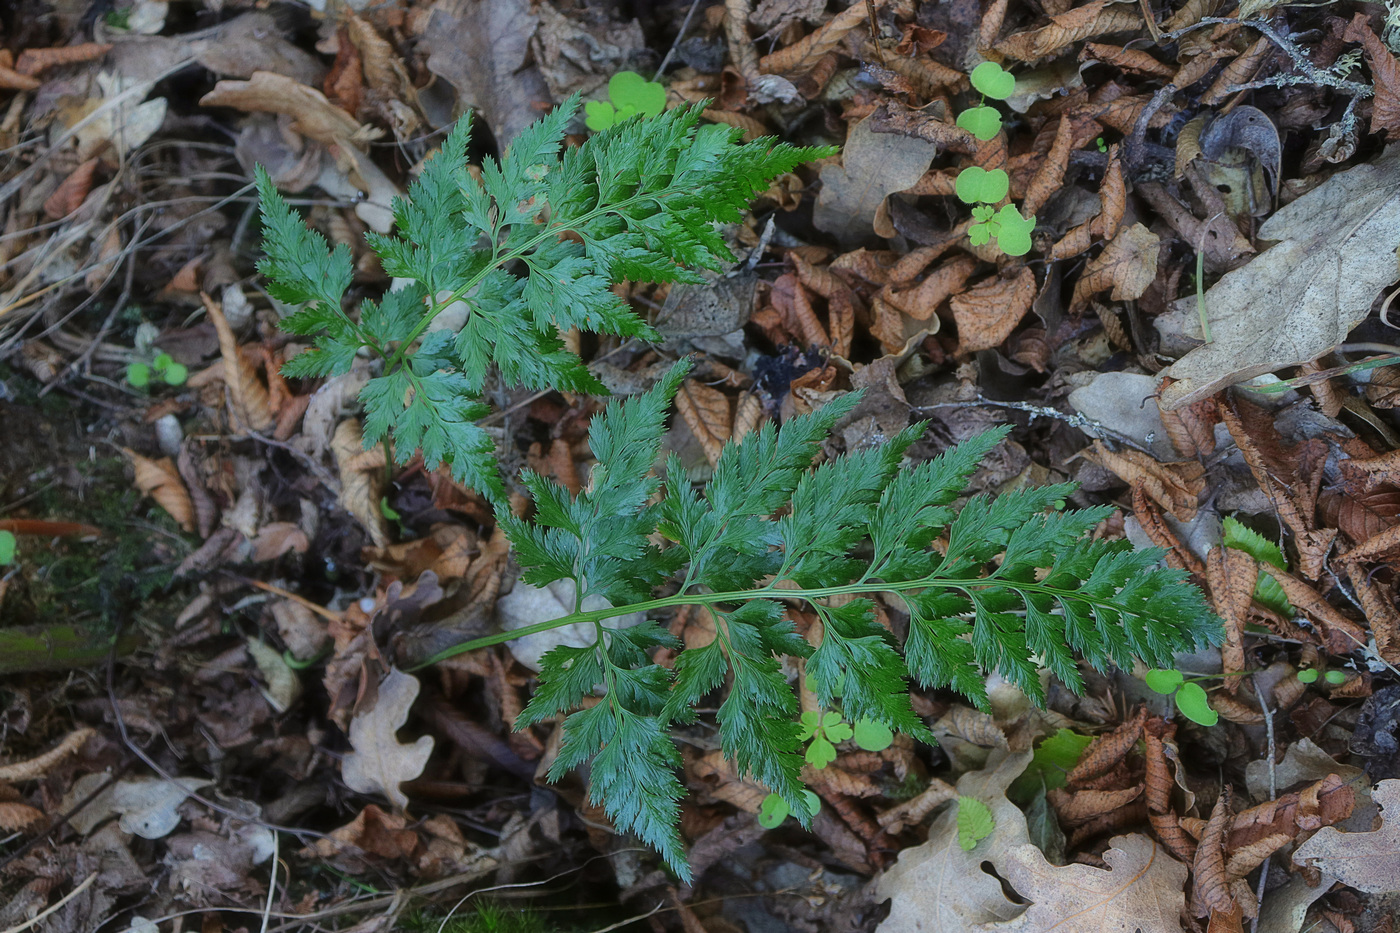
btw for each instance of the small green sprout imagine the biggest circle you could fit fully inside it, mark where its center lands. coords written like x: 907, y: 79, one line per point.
x: 975, y: 822
x: 138, y: 374
x: 387, y: 510
x: 983, y: 122
x: 630, y: 94
x: 774, y: 809
x: 1102, y: 146
x: 1011, y: 231
x: 1267, y: 591
x: 1190, y: 696
x: 172, y: 373
x: 8, y: 543
x: 978, y: 185
x: 1335, y: 678
x: 992, y: 81
x: 826, y: 729
x: 1308, y: 675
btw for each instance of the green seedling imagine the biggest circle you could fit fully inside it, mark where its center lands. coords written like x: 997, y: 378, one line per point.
x: 8, y: 544
x: 982, y: 187
x: 628, y: 95
x: 1190, y: 696
x: 823, y: 731
x: 1011, y: 231
x: 173, y: 373
x: 992, y: 81
x: 1309, y: 675
x: 1055, y: 756
x: 983, y: 122
x: 775, y: 809
x: 975, y: 822
x: 977, y: 185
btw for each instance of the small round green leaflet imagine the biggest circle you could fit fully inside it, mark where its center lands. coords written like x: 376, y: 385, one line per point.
x: 975, y: 822
x: 175, y: 374
x: 388, y: 510
x: 629, y: 89
x: 1191, y: 700
x: 774, y: 809
x: 975, y: 184
x: 1308, y: 675
x: 7, y: 547
x: 982, y: 122
x: 1014, y: 237
x: 873, y: 736
x: 1335, y: 677
x: 1159, y: 681
x: 991, y: 80
x: 138, y: 374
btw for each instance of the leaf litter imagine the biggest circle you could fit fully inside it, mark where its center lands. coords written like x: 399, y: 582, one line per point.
x: 124, y: 237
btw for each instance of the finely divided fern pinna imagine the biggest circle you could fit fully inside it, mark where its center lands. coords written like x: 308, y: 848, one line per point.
x: 1012, y: 584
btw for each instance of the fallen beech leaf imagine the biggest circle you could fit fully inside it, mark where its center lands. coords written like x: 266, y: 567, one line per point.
x: 380, y: 762
x: 1128, y: 264
x: 873, y: 166
x: 989, y: 311
x: 1301, y: 297
x: 922, y: 301
x: 16, y: 817
x: 1142, y: 891
x: 1097, y: 18
x: 38, y: 766
x: 1369, y: 862
x: 160, y: 480
x: 71, y: 192
x: 33, y: 61
x: 374, y: 832
x: 359, y: 483
x: 1231, y: 574
x: 1108, y: 749
x: 1050, y: 175
x: 939, y: 885
x: 247, y: 396
x: 1341, y: 635
x: 802, y: 56
x: 149, y: 806
x: 313, y: 116
x: 1174, y: 486
x: 1385, y: 72
x: 706, y: 412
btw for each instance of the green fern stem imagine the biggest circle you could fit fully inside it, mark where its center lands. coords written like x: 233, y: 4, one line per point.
x: 771, y: 591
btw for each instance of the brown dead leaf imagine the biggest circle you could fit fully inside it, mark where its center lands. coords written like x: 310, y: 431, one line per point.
x: 35, y: 61
x: 922, y: 301
x: 989, y: 311
x: 1108, y: 749
x: 1097, y: 18
x: 1385, y: 71
x: 1369, y: 862
x: 1150, y: 518
x: 1231, y: 574
x: 1341, y: 636
x: 1076, y: 807
x: 160, y: 480
x: 1136, y: 61
x: 1192, y: 427
x: 17, y: 817
x: 1142, y: 890
x: 802, y: 56
x: 373, y: 832
x: 1050, y: 175
x: 380, y: 762
x: 1211, y: 889
x: 247, y: 396
x: 71, y: 192
x: 313, y: 116
x: 1175, y: 487
x: 1378, y: 602
x: 359, y: 483
x: 39, y: 766
x: 706, y: 412
x: 1128, y: 264
x: 873, y: 166
x: 1324, y: 802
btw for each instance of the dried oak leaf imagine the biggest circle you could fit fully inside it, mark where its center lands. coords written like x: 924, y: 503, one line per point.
x: 359, y: 481
x: 989, y: 311
x: 706, y: 412
x: 873, y: 166
x: 1128, y: 264
x: 160, y: 480
x: 1141, y: 891
x: 1301, y: 297
x: 1369, y: 862
x: 380, y: 762
x: 940, y: 885
x: 1176, y: 487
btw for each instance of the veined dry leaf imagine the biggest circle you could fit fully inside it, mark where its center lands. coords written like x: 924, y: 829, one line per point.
x: 160, y: 480
x: 1136, y: 61
x: 1050, y: 175
x: 247, y: 396
x: 1245, y: 860
x: 1239, y: 71
x: 1301, y: 297
x: 802, y: 56
x: 913, y: 810
x: 359, y: 486
x: 1236, y: 710
x: 312, y: 114
x: 1154, y: 525
x: 873, y: 166
x: 1369, y: 862
x: 1385, y: 71
x: 1192, y: 427
x: 1378, y: 602
x: 1128, y: 264
x: 706, y: 412
x: 1374, y: 547
x: 374, y: 832
x: 1211, y: 886
x: 17, y: 817
x: 1327, y: 801
x: 1107, y: 750
x: 1176, y: 487
x: 989, y: 311
x: 34, y: 768
x: 1142, y: 890
x: 922, y: 301
x: 972, y: 725
x: 380, y: 762
x: 1097, y: 18
x: 1231, y: 574
x: 940, y: 885
x: 1075, y: 807
x: 1341, y: 635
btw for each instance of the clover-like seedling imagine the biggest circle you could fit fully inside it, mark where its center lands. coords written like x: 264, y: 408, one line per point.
x: 991, y: 80
x: 775, y: 809
x: 824, y: 730
x: 976, y: 185
x: 630, y: 94
x: 8, y: 545
x: 1190, y: 696
x: 164, y: 365
x: 1309, y: 675
x: 983, y: 122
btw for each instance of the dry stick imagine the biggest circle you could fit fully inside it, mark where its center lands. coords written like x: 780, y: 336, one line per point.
x: 1087, y: 425
x: 671, y: 52
x: 1273, y: 795
x: 59, y: 906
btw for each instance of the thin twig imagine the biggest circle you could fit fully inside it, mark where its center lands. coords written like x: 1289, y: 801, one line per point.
x: 66, y: 898
x: 670, y: 53
x: 1087, y: 425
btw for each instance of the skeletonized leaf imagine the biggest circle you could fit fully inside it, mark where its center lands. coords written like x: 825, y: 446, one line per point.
x: 380, y: 762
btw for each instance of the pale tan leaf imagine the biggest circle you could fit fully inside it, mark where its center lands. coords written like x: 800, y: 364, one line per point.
x: 1369, y: 862
x: 160, y: 479
x: 873, y: 166
x: 1128, y: 264
x: 922, y: 301
x: 380, y: 762
x: 1098, y: 18
x: 1050, y: 175
x: 706, y: 412
x: 1231, y: 574
x: 989, y: 311
x: 313, y: 116
x: 247, y: 396
x: 1176, y: 487
x: 802, y: 56
x: 359, y: 486
x: 16, y: 817
x: 34, y: 768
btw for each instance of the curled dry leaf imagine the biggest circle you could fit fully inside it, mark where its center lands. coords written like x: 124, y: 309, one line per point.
x: 1385, y: 72
x: 1340, y: 635
x: 17, y: 817
x: 1155, y: 526
x: 1098, y: 18
x: 1176, y: 487
x: 247, y: 396
x: 1369, y: 862
x: 312, y: 114
x: 72, y: 191
x: 160, y: 480
x: 1212, y: 888
x: 706, y: 412
x: 39, y: 766
x: 359, y: 485
x: 922, y: 301
x: 35, y: 61
x: 987, y: 313
x: 1108, y: 749
x: 1050, y: 175
x: 1191, y: 428
x: 380, y: 762
x: 1322, y: 803
x: 1378, y: 602
x: 1231, y: 574
x: 1128, y: 264
x: 804, y: 54
x: 1075, y: 807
